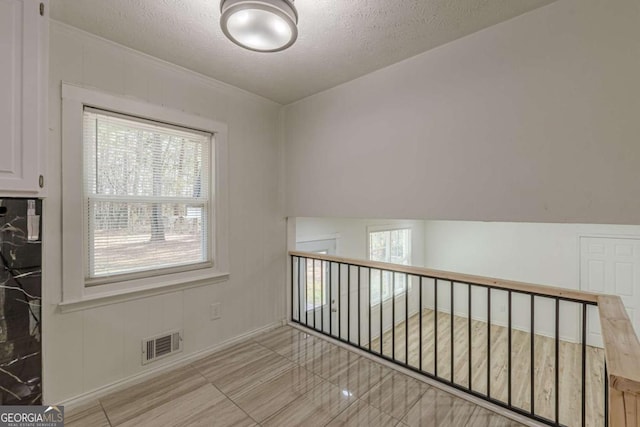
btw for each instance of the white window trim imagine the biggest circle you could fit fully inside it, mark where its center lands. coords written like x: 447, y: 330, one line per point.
x: 75, y: 291
x: 390, y: 227
x: 316, y: 245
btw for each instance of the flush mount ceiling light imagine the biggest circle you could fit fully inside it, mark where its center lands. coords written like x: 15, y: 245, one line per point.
x: 260, y: 25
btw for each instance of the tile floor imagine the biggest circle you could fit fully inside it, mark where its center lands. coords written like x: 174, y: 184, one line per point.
x: 284, y: 378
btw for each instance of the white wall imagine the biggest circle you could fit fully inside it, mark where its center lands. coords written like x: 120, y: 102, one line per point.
x: 351, y: 234
x: 92, y: 348
x: 532, y: 120
x: 545, y: 254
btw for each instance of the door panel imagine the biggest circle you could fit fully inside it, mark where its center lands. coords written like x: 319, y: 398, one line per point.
x: 595, y: 277
x: 611, y: 266
x: 624, y: 278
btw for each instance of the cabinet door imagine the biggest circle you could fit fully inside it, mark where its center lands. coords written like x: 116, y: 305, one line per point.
x: 21, y: 69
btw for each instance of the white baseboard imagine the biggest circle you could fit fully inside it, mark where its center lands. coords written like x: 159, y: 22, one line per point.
x: 93, y: 395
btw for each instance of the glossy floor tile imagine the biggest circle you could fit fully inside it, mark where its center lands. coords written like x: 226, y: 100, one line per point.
x: 131, y: 403
x: 269, y: 397
x: 294, y: 344
x: 90, y: 415
x: 284, y: 378
x: 441, y: 409
x: 484, y: 418
x: 330, y: 362
x: 250, y: 374
x: 205, y: 406
x: 316, y: 408
x: 396, y: 394
x: 230, y: 360
x: 362, y: 414
x: 359, y: 377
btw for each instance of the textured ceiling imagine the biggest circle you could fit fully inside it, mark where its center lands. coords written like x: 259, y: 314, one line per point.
x: 339, y: 39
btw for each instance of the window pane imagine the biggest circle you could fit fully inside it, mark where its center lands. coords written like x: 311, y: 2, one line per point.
x: 375, y: 286
x: 146, y: 193
x: 126, y: 238
x: 128, y: 158
x: 393, y: 246
x: 379, y: 245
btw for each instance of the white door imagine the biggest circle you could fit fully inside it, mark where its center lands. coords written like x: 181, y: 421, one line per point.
x: 322, y: 305
x: 611, y: 266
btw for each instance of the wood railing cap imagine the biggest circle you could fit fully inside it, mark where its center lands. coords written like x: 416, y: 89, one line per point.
x: 621, y: 345
x: 529, y: 288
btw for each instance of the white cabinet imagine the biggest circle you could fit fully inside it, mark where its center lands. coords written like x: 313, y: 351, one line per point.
x: 23, y: 90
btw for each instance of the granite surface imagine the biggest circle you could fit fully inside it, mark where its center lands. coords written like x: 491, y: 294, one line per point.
x: 20, y: 292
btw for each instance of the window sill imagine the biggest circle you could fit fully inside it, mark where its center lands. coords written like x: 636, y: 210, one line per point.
x: 114, y: 297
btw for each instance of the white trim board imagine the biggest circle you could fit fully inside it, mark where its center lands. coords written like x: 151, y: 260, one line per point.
x: 317, y: 237
x: 75, y: 288
x: 119, y: 297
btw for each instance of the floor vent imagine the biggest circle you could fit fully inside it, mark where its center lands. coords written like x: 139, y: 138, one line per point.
x: 160, y: 346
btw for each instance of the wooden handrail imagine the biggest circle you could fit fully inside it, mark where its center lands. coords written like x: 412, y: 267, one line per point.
x: 622, y: 353
x: 549, y: 291
x: 621, y: 345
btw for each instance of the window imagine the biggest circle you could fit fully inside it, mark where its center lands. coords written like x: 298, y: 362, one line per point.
x: 144, y: 200
x: 146, y: 195
x: 393, y: 246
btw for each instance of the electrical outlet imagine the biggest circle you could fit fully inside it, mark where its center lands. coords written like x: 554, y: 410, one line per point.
x: 215, y: 311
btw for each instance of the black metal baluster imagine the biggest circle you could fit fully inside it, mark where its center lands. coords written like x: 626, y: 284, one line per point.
x: 300, y: 287
x: 292, y: 277
x: 489, y: 342
x: 339, y: 301
x: 420, y: 317
x: 533, y: 359
x: 435, y: 328
x: 349, y: 303
x: 313, y: 294
x: 393, y: 315
x: 606, y: 395
x: 469, y: 333
x: 406, y: 318
x: 306, y: 292
x: 369, y: 324
x: 452, y: 322
x: 322, y: 296
x: 330, y: 285
x: 359, y: 307
x: 509, y: 331
x: 381, y: 305
x: 584, y: 362
x: 557, y: 367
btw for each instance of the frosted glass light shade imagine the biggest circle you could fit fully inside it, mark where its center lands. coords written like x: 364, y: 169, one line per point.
x: 260, y: 25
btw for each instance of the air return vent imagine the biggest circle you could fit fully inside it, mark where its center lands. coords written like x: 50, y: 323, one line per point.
x: 160, y: 346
